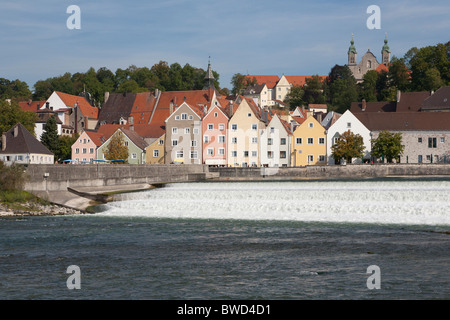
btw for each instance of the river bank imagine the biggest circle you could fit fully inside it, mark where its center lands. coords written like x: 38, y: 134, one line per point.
x: 34, y: 209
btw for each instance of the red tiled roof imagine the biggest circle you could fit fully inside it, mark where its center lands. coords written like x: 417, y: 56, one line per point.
x: 382, y: 67
x: 95, y: 137
x: 143, y: 106
x: 70, y: 101
x: 31, y: 105
x: 300, y: 80
x: 270, y: 81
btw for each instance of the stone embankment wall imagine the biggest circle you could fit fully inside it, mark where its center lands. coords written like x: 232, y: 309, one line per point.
x: 60, y: 177
x: 334, y: 172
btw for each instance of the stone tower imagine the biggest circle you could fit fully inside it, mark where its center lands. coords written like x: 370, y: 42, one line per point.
x: 209, y: 77
x: 386, y: 53
x: 352, y: 53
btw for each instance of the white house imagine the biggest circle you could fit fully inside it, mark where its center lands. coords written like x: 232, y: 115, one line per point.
x: 347, y: 122
x: 19, y: 146
x: 275, y: 143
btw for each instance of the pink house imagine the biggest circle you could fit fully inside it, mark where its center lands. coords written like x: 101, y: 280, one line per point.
x: 84, y: 150
x: 214, y: 126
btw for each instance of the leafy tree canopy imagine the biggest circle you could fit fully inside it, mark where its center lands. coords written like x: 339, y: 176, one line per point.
x: 348, y: 146
x: 387, y: 145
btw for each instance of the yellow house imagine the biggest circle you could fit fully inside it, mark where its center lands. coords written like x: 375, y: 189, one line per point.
x: 155, y: 151
x: 309, y: 144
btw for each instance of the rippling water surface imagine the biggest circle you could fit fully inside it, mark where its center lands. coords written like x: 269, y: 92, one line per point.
x: 245, y: 240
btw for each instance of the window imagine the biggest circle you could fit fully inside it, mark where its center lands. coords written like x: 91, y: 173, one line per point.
x: 272, y: 129
x: 254, y: 127
x: 126, y: 143
x: 174, y: 142
x: 155, y: 153
x: 420, y: 160
x: 234, y: 153
x: 221, y: 139
x: 77, y: 150
x: 91, y: 150
x: 234, y: 127
x: 245, y: 153
x: 282, y: 154
x: 349, y: 124
x: 442, y: 139
x: 270, y: 154
x: 195, y: 130
x: 184, y: 116
x: 174, y: 130
x: 84, y: 150
x: 234, y: 140
x: 269, y: 141
x: 254, y: 139
x: 298, y: 141
x: 194, y: 143
x: 187, y: 130
x: 210, y: 126
x: 310, y: 125
x: 194, y: 154
x: 432, y: 142
x: 254, y: 153
x: 249, y: 114
x: 191, y: 117
x: 221, y: 127
x: 419, y: 140
x: 177, y: 117
x: 133, y: 156
x: 161, y: 142
x: 221, y: 151
x: 206, y: 139
x: 210, y: 151
x: 322, y: 158
x: 428, y: 157
x: 283, y: 141
x: 310, y: 140
x: 179, y: 154
x: 20, y: 158
x: 216, y: 114
x: 310, y: 158
x: 321, y: 140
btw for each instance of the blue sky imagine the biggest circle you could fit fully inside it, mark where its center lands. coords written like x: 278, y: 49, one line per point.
x: 291, y: 37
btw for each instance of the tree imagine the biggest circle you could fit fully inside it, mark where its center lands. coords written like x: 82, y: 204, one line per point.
x: 313, y: 91
x: 65, y: 147
x: 15, y: 90
x: 240, y: 82
x: 387, y: 145
x: 399, y: 74
x: 341, y: 88
x: 116, y: 149
x: 348, y: 146
x: 11, y: 114
x: 295, y: 97
x: 368, y: 88
x: 49, y: 137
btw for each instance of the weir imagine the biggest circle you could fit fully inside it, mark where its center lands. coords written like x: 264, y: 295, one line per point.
x: 79, y: 186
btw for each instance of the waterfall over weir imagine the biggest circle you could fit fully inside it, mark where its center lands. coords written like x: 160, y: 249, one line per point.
x: 385, y: 201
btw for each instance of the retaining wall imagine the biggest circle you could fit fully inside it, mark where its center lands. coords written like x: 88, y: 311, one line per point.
x: 60, y: 177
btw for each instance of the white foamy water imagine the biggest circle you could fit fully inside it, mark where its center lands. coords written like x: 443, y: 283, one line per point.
x: 410, y: 202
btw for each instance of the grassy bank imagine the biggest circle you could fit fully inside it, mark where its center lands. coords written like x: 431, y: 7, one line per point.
x: 21, y: 200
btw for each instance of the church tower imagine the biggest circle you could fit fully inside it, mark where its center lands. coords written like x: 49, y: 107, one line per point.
x: 352, y: 53
x: 209, y: 78
x: 386, y: 53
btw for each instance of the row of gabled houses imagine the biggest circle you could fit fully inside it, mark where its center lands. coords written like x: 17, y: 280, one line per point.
x: 222, y: 132
x: 204, y: 127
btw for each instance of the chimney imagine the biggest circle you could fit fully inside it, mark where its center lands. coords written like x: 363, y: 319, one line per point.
x: 399, y: 95
x: 292, y: 126
x: 171, y: 107
x: 230, y: 112
x: 364, y: 104
x: 106, y: 96
x: 3, y: 142
x: 265, y: 115
x: 156, y: 92
x: 319, y: 117
x: 204, y: 110
x: 131, y: 122
x: 16, y: 131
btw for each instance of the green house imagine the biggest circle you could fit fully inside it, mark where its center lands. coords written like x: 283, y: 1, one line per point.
x: 135, y: 143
